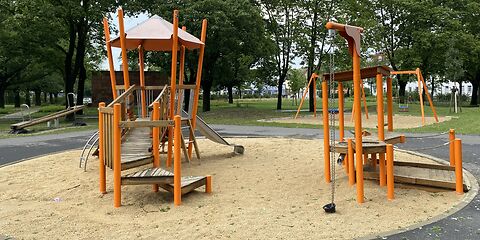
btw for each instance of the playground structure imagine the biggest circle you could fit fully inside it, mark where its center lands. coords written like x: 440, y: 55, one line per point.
x: 422, y: 88
x: 354, y: 153
x: 144, y: 121
x: 55, y: 117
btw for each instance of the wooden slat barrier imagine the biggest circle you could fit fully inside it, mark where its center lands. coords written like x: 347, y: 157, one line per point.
x: 146, y: 123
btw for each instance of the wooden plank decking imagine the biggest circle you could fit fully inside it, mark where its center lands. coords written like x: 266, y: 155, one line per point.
x: 135, y: 148
x: 189, y: 183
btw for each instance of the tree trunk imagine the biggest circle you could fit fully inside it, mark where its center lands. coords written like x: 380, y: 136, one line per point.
x: 402, y: 85
x: 279, y: 94
x: 17, y: 98
x: 70, y: 75
x: 2, y: 96
x: 51, y: 98
x: 38, y: 97
x: 45, y: 97
x: 81, y: 86
x: 27, y: 98
x: 475, y: 84
x: 230, y: 94
x: 206, y: 97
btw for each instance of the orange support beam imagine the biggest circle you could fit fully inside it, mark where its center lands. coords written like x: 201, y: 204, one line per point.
x: 402, y: 72
x: 208, y: 185
x: 389, y: 104
x: 173, y: 83
x: 117, y: 164
x: 351, y: 163
x: 177, y: 163
x: 312, y: 79
x: 326, y: 132
x: 341, y: 107
x: 198, y: 81
x: 420, y: 95
x: 428, y: 96
x: 123, y: 44
x: 458, y: 166
x: 382, y: 172
x: 390, y: 177
x: 156, y: 140
x: 101, y: 151
x: 113, y: 80
x: 451, y: 138
x: 142, y: 80
x: 380, y: 116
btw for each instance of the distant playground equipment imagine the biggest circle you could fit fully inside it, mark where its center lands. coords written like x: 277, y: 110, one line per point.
x: 313, y: 80
x: 455, y: 101
x: 143, y: 122
x: 354, y: 153
x: 422, y: 88
x: 72, y: 108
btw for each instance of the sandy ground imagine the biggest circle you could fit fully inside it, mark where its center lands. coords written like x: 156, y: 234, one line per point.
x: 275, y: 190
x: 399, y: 121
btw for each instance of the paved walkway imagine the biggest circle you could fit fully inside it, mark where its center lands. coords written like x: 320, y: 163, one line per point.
x: 19, y: 114
x: 462, y: 225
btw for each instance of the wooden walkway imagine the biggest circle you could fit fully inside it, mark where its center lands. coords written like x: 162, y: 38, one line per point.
x: 135, y: 148
x: 430, y: 175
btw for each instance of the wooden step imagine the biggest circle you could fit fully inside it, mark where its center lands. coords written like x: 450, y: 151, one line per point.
x: 148, y: 176
x: 189, y: 183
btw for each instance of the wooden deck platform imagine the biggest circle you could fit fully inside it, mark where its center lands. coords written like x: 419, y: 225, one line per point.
x: 189, y: 183
x: 429, y: 175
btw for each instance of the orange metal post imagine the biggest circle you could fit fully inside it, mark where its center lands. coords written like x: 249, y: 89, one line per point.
x: 314, y: 75
x: 326, y: 132
x: 341, y: 117
x: 101, y: 151
x: 390, y: 104
x: 208, y: 185
x: 123, y: 44
x: 358, y: 125
x: 390, y: 177
x: 428, y: 97
x: 113, y: 81
x: 198, y: 80
x: 458, y: 166
x: 177, y: 167
x: 117, y: 164
x: 142, y: 80
x: 420, y: 95
x: 173, y: 82
x: 451, y: 138
x: 382, y: 173
x: 156, y: 140
x: 380, y: 116
x: 351, y: 163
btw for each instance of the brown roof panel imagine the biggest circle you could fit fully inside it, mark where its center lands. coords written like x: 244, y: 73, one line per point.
x: 155, y: 34
x: 370, y: 72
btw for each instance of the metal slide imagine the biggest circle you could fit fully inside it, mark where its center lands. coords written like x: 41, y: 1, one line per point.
x: 213, y: 135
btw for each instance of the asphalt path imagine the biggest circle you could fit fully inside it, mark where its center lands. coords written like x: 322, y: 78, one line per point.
x: 463, y: 224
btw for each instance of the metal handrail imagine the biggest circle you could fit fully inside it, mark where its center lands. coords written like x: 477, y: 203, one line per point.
x: 163, y: 92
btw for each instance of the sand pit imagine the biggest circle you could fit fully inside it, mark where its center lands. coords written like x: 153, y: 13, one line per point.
x: 399, y: 121
x: 275, y: 190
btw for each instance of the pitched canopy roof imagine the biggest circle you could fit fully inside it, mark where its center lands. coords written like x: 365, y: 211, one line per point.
x: 155, y: 34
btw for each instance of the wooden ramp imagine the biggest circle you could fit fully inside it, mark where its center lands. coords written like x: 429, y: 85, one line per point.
x: 136, y: 147
x: 429, y: 175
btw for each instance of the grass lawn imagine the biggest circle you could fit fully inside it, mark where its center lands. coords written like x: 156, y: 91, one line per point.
x: 249, y: 111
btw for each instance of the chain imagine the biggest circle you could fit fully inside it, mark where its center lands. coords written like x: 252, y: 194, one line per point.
x: 331, y: 84
x: 428, y: 136
x: 426, y: 148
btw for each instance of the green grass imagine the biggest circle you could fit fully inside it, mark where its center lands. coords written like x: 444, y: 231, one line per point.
x: 8, y: 110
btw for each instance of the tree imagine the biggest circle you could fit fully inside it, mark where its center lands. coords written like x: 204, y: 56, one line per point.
x: 282, y: 25
x: 296, y: 81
